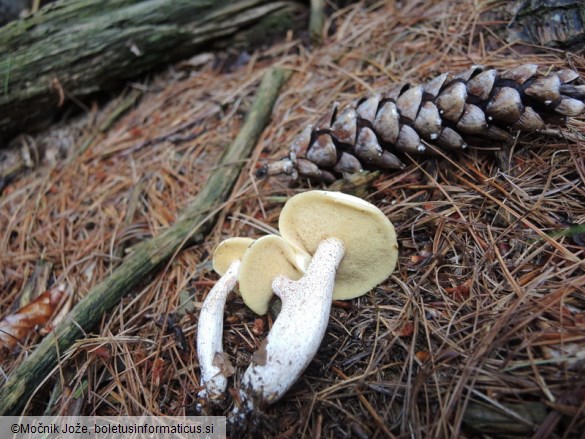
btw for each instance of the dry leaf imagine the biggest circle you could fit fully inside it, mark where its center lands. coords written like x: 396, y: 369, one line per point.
x: 16, y: 327
x: 259, y: 357
x: 221, y: 360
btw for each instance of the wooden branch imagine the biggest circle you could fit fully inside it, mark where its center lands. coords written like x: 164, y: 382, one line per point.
x: 192, y: 226
x: 73, y: 48
x: 317, y: 20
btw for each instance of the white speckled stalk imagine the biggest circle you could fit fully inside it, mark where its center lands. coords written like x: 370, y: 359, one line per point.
x: 210, y: 331
x: 298, y: 330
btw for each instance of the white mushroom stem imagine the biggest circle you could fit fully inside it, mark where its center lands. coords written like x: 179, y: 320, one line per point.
x: 209, y: 334
x: 297, y: 332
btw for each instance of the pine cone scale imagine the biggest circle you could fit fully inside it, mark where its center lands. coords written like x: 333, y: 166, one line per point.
x: 575, y: 91
x: 472, y: 121
x: 520, y: 74
x: 545, y: 89
x: 409, y: 103
x: 452, y: 101
x: 428, y: 121
x: 505, y: 106
x: 434, y: 86
x: 387, y: 123
x: 481, y: 85
x: 570, y: 107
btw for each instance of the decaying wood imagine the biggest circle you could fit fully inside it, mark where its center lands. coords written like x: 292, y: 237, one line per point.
x: 193, y: 224
x: 74, y: 48
x: 553, y: 23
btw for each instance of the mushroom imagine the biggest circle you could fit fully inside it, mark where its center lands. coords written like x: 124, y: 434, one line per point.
x: 371, y: 250
x: 353, y: 247
x: 268, y: 257
x: 226, y: 262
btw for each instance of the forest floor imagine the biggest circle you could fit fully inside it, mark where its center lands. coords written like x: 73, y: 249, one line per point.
x: 480, y: 331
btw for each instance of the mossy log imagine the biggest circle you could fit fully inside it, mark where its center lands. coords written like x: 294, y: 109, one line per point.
x: 191, y: 227
x: 73, y: 48
x: 553, y: 23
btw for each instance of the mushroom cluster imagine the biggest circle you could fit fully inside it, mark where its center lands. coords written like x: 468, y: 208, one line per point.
x: 332, y: 246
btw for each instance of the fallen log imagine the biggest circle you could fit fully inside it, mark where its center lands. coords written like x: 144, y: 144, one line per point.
x: 73, y: 48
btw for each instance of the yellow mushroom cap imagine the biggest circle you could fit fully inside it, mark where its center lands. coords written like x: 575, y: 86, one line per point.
x: 268, y: 257
x: 371, y: 249
x: 228, y: 251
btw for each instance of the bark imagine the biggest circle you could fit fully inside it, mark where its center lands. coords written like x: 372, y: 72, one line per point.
x: 553, y: 23
x: 73, y: 48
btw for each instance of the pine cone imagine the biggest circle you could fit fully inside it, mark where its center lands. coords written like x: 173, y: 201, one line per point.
x: 479, y: 107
